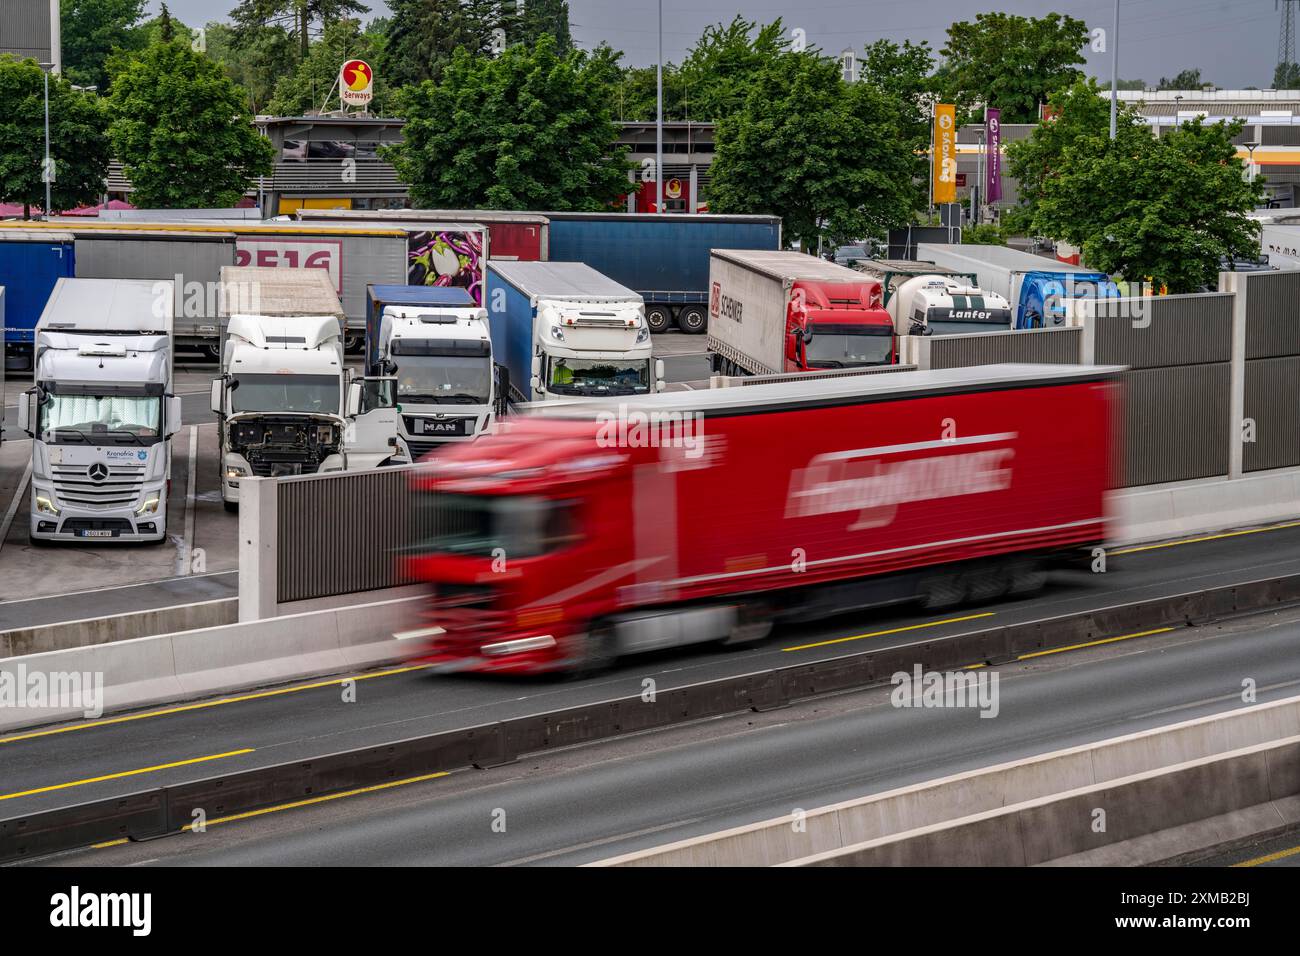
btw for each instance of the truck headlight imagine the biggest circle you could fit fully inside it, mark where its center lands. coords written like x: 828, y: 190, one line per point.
x: 45, y: 506
x: 557, y: 333
x: 642, y: 335
x: 149, y: 506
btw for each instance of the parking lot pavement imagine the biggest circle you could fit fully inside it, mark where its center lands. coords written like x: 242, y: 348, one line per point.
x: 201, y: 537
x: 678, y: 343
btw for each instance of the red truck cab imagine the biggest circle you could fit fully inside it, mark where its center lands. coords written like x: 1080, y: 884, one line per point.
x: 837, y: 325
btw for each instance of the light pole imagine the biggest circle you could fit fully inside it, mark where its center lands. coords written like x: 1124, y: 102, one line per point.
x: 659, y: 117
x: 46, y: 170
x: 1250, y: 148
x: 1114, y: 71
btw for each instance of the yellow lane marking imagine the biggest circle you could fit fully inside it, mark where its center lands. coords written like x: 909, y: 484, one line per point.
x: 125, y: 773
x: 892, y: 630
x: 375, y: 788
x: 1206, y: 537
x: 1279, y: 855
x: 1104, y: 640
x: 182, y: 708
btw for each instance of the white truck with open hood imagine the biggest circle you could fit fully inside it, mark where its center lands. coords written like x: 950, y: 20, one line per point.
x: 101, y: 411
x: 279, y: 400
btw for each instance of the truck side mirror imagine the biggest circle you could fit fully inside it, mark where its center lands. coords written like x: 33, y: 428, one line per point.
x: 218, y: 386
x: 537, y: 366
x: 659, y: 375
x: 354, y: 398
x: 27, y: 411
x: 173, y: 424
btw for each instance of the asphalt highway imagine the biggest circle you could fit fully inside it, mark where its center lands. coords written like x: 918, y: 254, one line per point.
x: 75, y: 762
x: 594, y: 802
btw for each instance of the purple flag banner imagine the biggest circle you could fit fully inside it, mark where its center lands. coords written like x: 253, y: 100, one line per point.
x: 993, y: 155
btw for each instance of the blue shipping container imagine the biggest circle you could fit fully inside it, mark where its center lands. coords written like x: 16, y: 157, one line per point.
x: 664, y: 258
x: 28, y: 271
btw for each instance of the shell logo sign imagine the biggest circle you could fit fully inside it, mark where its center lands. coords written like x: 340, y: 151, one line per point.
x: 356, y: 83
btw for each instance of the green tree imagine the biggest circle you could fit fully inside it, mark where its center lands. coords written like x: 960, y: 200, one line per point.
x: 256, y: 58
x: 183, y: 131
x: 635, y: 94
x: 298, y: 17
x: 1186, y: 80
x: 1286, y: 76
x: 1011, y: 62
x: 536, y: 18
x: 78, y: 141
x: 904, y: 72
x: 820, y: 153
x: 1169, y: 208
x: 91, y: 31
x: 527, y: 130
x: 308, y: 86
x: 424, y: 34
x: 717, y: 72
x: 1080, y: 113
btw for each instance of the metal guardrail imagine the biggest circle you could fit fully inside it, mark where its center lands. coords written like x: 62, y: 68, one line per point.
x: 163, y: 811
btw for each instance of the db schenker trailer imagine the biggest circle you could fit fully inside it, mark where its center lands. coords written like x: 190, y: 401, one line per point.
x: 686, y: 517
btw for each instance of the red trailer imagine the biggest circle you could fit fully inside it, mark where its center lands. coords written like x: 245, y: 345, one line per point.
x: 592, y: 530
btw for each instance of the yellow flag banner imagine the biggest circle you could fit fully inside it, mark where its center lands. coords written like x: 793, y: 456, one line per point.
x: 944, y: 159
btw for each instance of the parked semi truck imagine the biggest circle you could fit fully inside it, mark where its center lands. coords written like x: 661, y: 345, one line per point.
x: 101, y: 411
x: 774, y: 311
x: 279, y: 400
x: 663, y: 258
x: 925, y: 299
x: 564, y: 331
x: 429, y: 353
x: 1035, y: 287
x: 792, y: 501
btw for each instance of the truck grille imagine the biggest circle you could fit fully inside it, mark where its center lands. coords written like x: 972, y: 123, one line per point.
x: 422, y: 446
x: 98, y: 485
x: 465, y: 611
x: 273, y: 464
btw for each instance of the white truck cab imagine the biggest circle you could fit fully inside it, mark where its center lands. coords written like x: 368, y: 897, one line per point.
x: 101, y: 412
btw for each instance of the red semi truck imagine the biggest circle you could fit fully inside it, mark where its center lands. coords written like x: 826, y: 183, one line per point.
x: 773, y: 311
x: 589, y: 530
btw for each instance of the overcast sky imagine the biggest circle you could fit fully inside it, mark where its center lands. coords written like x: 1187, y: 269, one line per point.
x: 1233, y: 42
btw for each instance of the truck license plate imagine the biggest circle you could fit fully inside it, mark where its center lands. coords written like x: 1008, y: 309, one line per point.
x: 95, y: 533
x: 431, y: 427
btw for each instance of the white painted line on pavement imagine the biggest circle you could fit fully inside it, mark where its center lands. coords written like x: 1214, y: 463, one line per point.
x: 13, y: 505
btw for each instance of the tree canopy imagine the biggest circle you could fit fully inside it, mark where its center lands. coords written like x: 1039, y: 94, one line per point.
x: 529, y: 129
x: 183, y: 131
x: 78, y: 141
x: 306, y: 89
x: 91, y: 30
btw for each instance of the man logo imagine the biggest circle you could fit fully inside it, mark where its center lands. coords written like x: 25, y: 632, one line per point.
x: 98, y: 471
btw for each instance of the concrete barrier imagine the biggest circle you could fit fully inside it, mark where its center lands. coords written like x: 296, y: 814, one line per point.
x: 172, y: 667
x: 934, y: 804
x: 1157, y: 512
x: 117, y: 627
x: 1054, y: 828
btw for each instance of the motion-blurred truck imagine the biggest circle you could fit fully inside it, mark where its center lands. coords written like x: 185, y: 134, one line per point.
x: 775, y: 311
x: 697, y: 516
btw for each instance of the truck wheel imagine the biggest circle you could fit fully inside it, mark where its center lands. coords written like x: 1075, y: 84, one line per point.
x: 692, y: 320
x: 212, y: 353
x: 1027, y: 577
x: 599, y: 653
x: 658, y: 318
x: 353, y: 344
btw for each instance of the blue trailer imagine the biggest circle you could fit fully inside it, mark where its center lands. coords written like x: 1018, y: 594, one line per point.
x: 664, y: 258
x: 30, y: 264
x: 417, y: 296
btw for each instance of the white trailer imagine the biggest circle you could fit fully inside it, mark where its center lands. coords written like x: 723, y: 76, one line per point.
x: 101, y: 412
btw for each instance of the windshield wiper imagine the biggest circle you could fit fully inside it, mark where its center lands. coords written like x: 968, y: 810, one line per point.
x: 136, y: 438
x: 69, y: 428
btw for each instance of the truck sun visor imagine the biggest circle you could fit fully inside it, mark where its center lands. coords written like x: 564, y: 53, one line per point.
x: 446, y: 347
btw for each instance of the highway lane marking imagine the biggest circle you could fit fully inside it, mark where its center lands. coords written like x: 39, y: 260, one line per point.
x: 17, y: 500
x: 201, y: 705
x: 143, y: 585
x: 374, y: 788
x: 1104, y: 640
x: 1213, y: 700
x: 892, y: 630
x: 125, y: 773
x: 522, y: 861
x: 1270, y: 858
x: 1206, y: 537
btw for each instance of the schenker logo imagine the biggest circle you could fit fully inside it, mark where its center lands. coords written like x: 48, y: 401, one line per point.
x: 865, y: 480
x: 720, y: 304
x: 76, y: 909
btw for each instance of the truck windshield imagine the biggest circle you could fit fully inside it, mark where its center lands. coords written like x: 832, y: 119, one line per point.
x: 845, y: 347
x: 100, y: 419
x: 438, y: 379
x: 477, y: 525
x: 317, y: 394
x: 575, y: 376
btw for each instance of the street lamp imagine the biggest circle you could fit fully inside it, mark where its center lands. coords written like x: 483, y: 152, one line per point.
x: 659, y: 117
x: 1114, y: 72
x: 1250, y: 149
x: 47, y: 172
